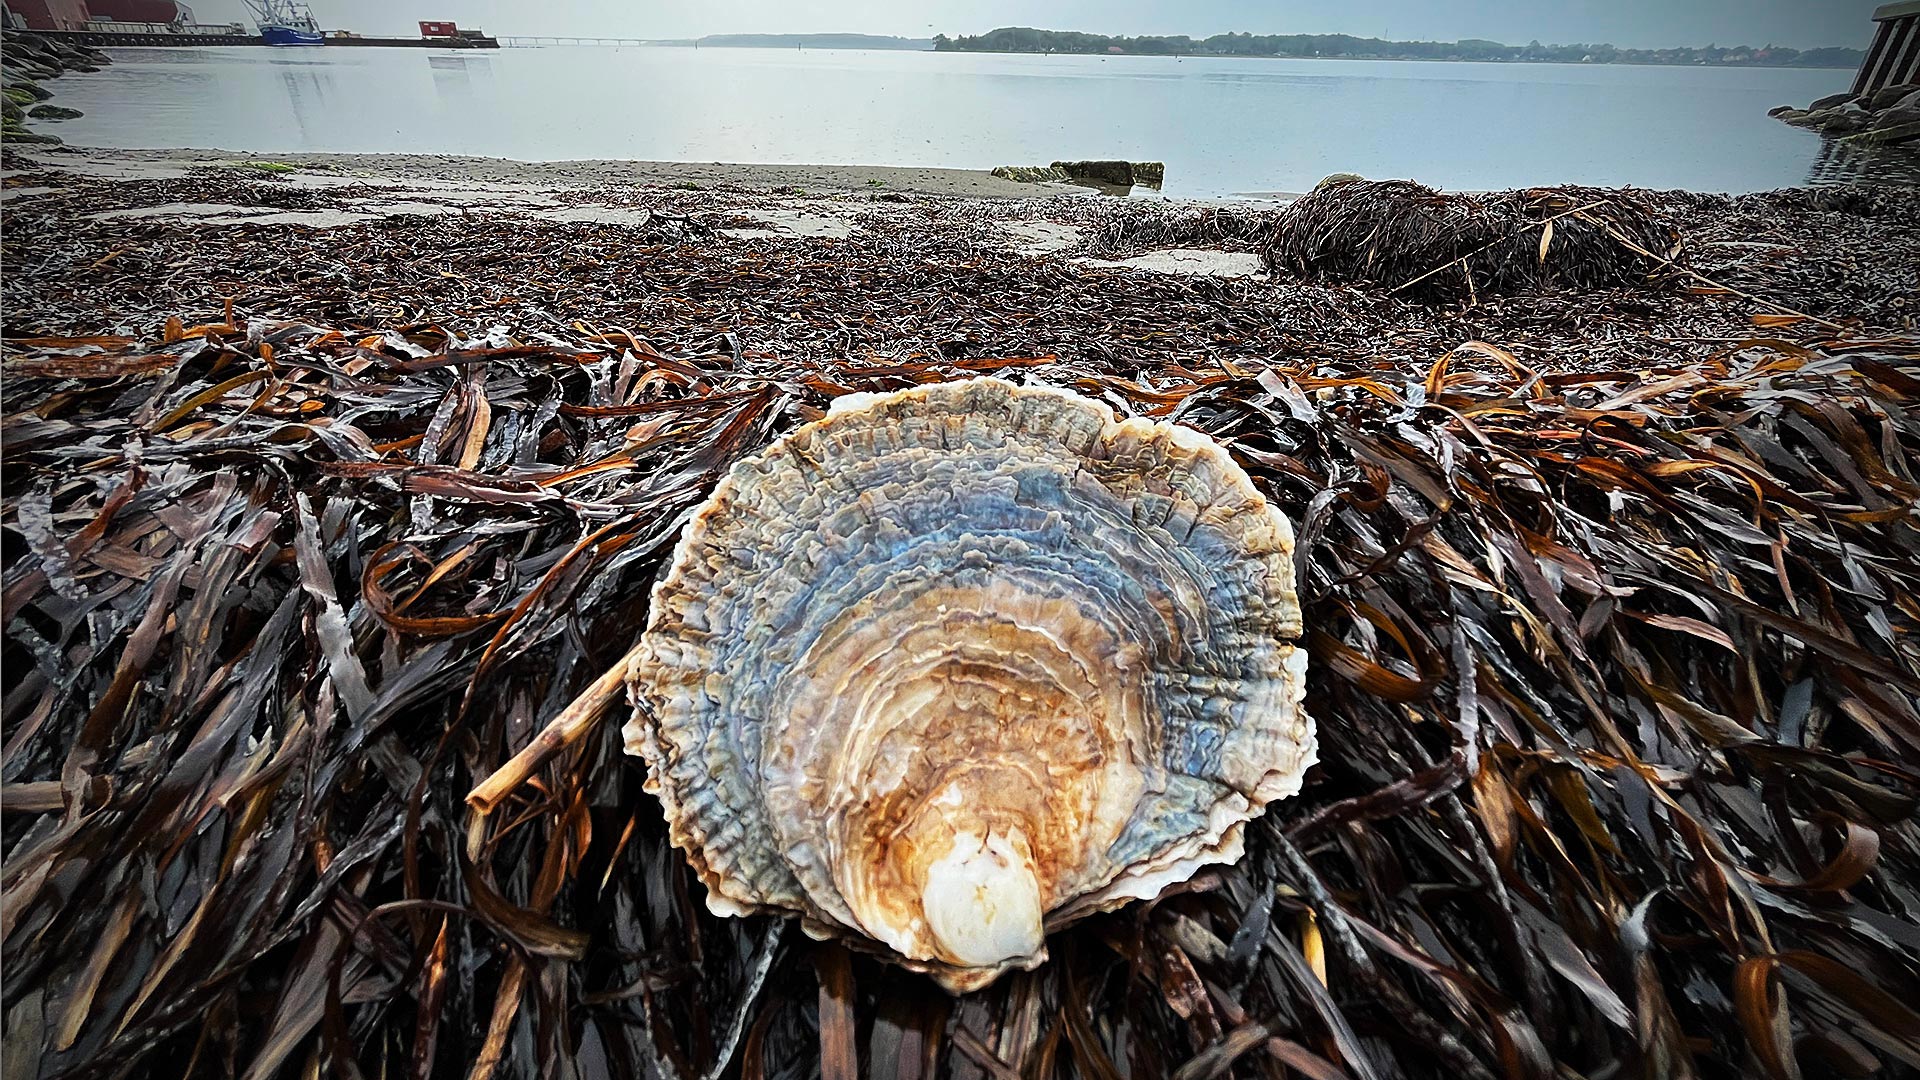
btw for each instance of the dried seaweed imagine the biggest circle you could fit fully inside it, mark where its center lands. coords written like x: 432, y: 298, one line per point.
x: 1616, y: 671
x: 934, y: 276
x: 1445, y: 245
x: 1129, y: 230
x: 278, y: 595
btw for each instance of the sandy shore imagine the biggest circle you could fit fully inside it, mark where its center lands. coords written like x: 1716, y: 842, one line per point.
x: 816, y: 261
x: 971, y: 183
x: 741, y: 201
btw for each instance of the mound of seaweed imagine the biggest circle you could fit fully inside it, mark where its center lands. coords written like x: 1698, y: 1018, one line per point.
x: 1617, y: 672
x: 1866, y: 202
x: 1434, y: 245
x: 1127, y: 230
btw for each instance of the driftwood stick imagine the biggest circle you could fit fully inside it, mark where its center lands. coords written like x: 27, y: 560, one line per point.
x: 574, y: 721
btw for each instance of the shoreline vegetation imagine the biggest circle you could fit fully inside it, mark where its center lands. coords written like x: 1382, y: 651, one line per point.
x: 30, y: 60
x: 1024, y: 39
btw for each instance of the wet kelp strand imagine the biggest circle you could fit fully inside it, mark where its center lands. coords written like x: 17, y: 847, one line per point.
x: 1617, y: 670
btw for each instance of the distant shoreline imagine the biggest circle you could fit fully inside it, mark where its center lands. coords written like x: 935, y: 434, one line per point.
x: 1204, y: 56
x: 511, y: 44
x: 1027, y: 39
x: 1392, y: 60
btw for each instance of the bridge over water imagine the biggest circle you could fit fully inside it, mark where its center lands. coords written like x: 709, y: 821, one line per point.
x: 517, y: 42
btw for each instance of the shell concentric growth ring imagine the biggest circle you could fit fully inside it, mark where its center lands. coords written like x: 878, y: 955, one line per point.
x: 955, y: 666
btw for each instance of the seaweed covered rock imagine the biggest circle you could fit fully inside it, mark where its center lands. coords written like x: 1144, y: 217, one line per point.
x: 1841, y: 119
x: 1030, y: 174
x: 16, y: 134
x: 1900, y: 124
x: 959, y: 665
x: 1889, y: 96
x: 1883, y: 117
x: 1112, y: 173
x: 1437, y: 245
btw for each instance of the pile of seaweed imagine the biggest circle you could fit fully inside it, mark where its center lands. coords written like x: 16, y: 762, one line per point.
x: 1616, y: 675
x: 1126, y: 230
x: 1434, y: 245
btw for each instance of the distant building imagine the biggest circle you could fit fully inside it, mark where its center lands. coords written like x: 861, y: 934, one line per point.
x: 48, y: 14
x: 76, y: 14
x: 141, y: 11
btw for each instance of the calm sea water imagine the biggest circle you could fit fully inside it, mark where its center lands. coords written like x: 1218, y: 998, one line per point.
x: 1223, y: 127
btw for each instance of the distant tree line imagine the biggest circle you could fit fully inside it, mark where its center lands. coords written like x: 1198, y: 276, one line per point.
x: 1022, y: 39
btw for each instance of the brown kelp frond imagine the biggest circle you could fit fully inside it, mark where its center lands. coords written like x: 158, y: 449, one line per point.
x: 1617, y: 675
x: 1447, y: 245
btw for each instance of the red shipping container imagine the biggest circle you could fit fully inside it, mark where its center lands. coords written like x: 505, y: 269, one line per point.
x: 438, y: 29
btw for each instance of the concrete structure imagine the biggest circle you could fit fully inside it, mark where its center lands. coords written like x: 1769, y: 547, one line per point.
x: 137, y: 34
x: 1894, y: 58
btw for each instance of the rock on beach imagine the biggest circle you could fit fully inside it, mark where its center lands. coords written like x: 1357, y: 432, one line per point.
x: 30, y: 60
x: 1889, y: 116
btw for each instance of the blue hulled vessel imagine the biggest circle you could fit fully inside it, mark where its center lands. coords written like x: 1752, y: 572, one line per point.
x: 286, y: 22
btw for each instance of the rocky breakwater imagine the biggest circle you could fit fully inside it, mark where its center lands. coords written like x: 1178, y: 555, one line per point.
x: 1889, y: 116
x: 26, y: 61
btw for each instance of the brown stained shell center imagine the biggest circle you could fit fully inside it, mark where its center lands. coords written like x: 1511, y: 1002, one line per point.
x: 956, y: 666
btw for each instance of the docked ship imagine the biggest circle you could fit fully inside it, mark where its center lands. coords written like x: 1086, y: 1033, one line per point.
x: 285, y: 22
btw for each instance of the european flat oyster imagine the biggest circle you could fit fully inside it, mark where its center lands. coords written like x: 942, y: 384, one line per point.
x: 956, y: 666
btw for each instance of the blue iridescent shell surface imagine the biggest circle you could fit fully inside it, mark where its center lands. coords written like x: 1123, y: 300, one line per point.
x: 954, y: 666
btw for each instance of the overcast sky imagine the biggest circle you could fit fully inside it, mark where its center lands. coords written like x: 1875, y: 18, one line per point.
x: 1632, y: 23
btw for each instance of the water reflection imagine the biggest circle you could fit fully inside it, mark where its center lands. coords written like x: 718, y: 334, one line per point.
x: 306, y: 94
x: 455, y: 78
x: 1840, y: 161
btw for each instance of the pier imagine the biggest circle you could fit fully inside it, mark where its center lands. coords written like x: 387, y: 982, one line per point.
x: 106, y: 39
x: 1894, y: 59
x: 519, y: 42
x: 115, y: 39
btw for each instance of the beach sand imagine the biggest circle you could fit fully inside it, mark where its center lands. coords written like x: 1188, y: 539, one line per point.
x: 851, y: 260
x: 972, y: 183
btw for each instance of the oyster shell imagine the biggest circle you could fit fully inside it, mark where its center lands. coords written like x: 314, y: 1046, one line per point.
x: 955, y: 666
